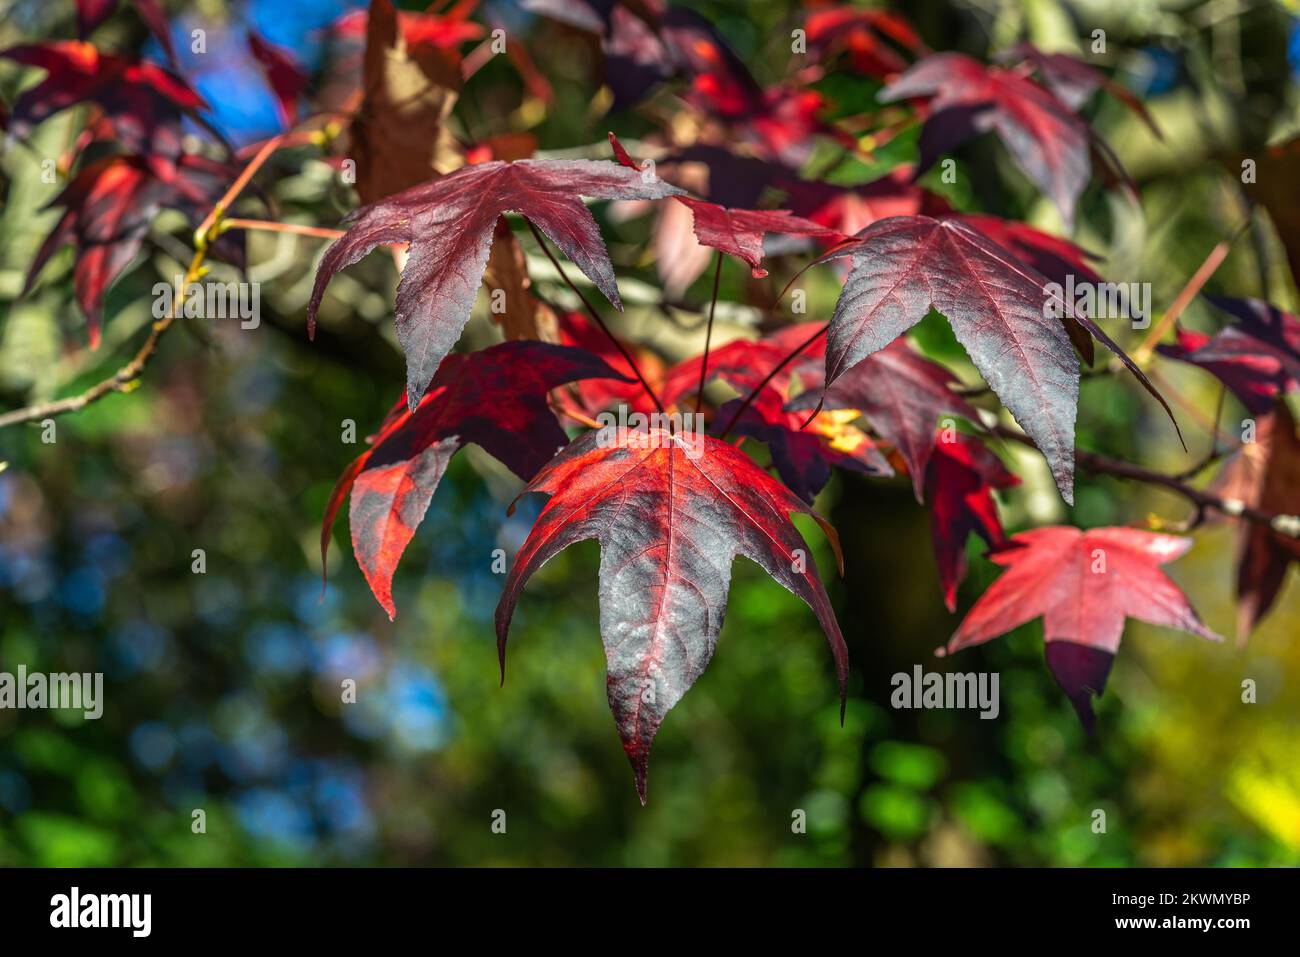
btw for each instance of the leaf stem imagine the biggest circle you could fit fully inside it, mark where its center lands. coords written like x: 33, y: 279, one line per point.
x: 708, y: 332
x: 591, y: 311
x: 749, y: 399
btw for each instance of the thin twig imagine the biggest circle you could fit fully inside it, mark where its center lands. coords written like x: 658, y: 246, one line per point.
x: 591, y: 311
x: 708, y: 332
x: 203, y: 234
x: 749, y: 399
x: 1100, y: 464
x: 1185, y: 295
x: 267, y: 226
x: 125, y: 378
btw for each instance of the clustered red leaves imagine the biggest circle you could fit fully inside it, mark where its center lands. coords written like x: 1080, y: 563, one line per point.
x: 672, y: 507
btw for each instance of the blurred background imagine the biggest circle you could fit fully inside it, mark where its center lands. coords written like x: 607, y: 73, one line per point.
x: 222, y: 689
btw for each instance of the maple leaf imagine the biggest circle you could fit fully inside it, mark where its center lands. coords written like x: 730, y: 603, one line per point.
x: 639, y: 52
x: 903, y: 395
x: 671, y: 42
x: 283, y: 74
x: 143, y: 102
x: 863, y: 35
x: 737, y: 232
x: 635, y: 58
x: 670, y: 521
x: 967, y: 98
x: 998, y: 307
x: 740, y: 232
x: 1083, y: 584
x: 1073, y: 81
x: 1264, y: 474
x: 495, y: 398
x: 803, y: 452
x: 448, y: 223
x: 1258, y: 358
x: 1055, y: 258
x: 850, y: 209
x: 108, y: 209
x: 92, y: 13
x: 445, y: 30
x: 959, y: 481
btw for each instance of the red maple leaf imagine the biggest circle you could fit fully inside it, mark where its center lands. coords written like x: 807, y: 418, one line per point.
x: 966, y: 98
x: 959, y: 483
x: 283, y: 74
x: 448, y: 223
x: 440, y: 30
x: 1083, y: 584
x: 743, y: 363
x: 143, y: 102
x: 870, y: 37
x: 1258, y: 358
x: 903, y: 395
x: 999, y: 308
x: 803, y: 452
x: 495, y: 398
x: 671, y: 517
x: 1074, y: 81
x: 597, y: 395
x: 850, y: 209
x: 1264, y: 474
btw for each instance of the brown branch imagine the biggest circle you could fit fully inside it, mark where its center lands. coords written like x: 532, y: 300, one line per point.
x: 1100, y: 464
x: 124, y: 379
x: 1185, y: 295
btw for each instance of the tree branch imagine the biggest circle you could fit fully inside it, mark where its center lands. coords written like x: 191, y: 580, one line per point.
x: 1204, y: 501
x: 126, y: 378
